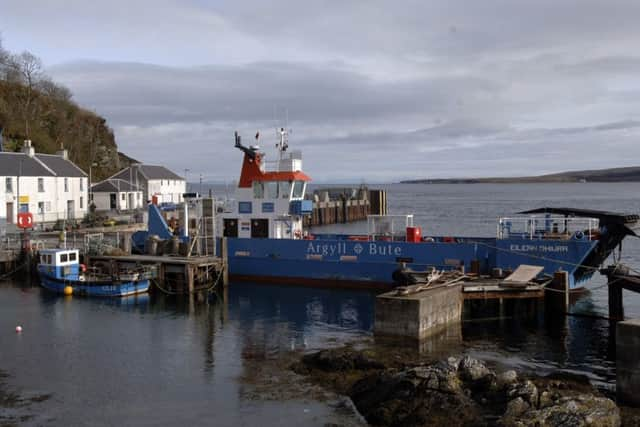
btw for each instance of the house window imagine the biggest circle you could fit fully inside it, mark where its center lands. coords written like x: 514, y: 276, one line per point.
x: 81, y: 203
x: 40, y: 185
x: 81, y: 184
x: 41, y: 207
x: 66, y: 185
x: 9, y: 185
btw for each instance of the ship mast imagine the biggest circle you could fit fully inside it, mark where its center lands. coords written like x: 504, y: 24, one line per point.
x: 283, y: 142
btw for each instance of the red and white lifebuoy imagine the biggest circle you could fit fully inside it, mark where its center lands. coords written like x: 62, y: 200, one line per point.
x: 25, y: 220
x: 297, y: 234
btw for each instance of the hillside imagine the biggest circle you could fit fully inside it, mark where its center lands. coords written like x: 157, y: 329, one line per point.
x: 34, y: 107
x: 627, y: 174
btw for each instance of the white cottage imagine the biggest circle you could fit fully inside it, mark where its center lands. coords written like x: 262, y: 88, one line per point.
x: 49, y: 186
x: 155, y: 182
x: 116, y: 195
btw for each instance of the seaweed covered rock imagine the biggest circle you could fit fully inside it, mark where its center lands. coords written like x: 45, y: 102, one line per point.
x: 577, y: 411
x: 459, y: 392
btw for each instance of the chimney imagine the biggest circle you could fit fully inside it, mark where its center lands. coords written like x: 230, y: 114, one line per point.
x: 63, y: 153
x: 28, y: 149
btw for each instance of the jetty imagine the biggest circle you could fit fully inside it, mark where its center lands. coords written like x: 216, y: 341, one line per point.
x: 171, y: 274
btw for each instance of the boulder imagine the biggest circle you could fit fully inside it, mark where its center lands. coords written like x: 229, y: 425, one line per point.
x: 581, y: 410
x: 506, y: 379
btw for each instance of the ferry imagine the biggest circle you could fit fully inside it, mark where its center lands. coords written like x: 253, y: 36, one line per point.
x: 266, y: 240
x: 60, y: 271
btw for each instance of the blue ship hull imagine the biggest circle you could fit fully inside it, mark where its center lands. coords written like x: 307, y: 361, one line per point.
x: 342, y: 262
x: 97, y: 289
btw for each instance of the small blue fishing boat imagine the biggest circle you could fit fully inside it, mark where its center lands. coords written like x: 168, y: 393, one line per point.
x: 60, y: 271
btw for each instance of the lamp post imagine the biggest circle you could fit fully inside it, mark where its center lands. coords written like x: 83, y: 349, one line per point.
x: 91, y: 165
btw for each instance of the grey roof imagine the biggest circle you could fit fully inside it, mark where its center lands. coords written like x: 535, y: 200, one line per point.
x: 60, y: 166
x: 146, y: 172
x: 14, y: 164
x: 113, y: 186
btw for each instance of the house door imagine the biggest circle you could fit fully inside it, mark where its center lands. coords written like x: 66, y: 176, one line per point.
x: 260, y: 228
x: 230, y: 227
x: 9, y: 213
x: 70, y: 209
x: 112, y: 201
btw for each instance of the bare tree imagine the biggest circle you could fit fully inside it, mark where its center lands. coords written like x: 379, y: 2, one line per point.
x: 54, y: 90
x: 4, y: 60
x: 27, y: 69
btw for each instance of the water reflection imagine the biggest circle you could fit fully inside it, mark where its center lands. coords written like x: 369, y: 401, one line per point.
x: 278, y: 319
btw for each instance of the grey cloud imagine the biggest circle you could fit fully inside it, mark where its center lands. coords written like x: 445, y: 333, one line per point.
x: 373, y: 89
x: 149, y: 94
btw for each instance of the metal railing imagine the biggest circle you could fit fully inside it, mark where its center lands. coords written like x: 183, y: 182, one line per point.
x: 387, y: 225
x: 547, y: 227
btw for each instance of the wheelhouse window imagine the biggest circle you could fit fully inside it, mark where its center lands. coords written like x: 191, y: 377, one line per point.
x: 271, y: 188
x: 72, y: 256
x: 63, y: 258
x: 298, y: 189
x: 285, y: 189
x: 258, y: 190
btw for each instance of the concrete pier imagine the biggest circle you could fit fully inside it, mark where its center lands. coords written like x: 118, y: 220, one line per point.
x: 419, y: 315
x: 628, y: 363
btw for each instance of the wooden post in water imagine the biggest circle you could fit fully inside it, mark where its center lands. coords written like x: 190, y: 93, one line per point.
x: 557, y: 294
x: 190, y: 276
x: 616, y: 307
x: 224, y: 248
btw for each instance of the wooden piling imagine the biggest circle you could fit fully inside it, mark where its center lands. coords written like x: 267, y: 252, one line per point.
x: 616, y: 307
x: 557, y: 293
x: 225, y: 261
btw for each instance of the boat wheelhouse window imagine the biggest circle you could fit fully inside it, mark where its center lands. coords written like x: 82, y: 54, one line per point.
x: 271, y: 188
x: 258, y: 190
x: 285, y: 189
x: 63, y: 258
x: 72, y: 256
x: 298, y: 189
x: 49, y: 259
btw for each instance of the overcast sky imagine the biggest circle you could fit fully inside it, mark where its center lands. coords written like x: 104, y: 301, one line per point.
x: 375, y: 91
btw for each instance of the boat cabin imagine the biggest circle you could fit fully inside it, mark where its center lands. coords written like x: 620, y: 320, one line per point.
x: 60, y: 263
x: 269, y: 201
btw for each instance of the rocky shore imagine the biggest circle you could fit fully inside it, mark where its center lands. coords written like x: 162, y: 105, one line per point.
x: 460, y: 391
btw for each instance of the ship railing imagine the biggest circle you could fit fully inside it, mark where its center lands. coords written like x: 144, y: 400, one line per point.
x: 547, y: 227
x: 381, y: 226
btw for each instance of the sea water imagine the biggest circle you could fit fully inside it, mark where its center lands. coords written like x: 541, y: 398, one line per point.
x: 224, y: 359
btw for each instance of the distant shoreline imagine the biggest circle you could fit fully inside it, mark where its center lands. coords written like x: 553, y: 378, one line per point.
x: 627, y: 174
